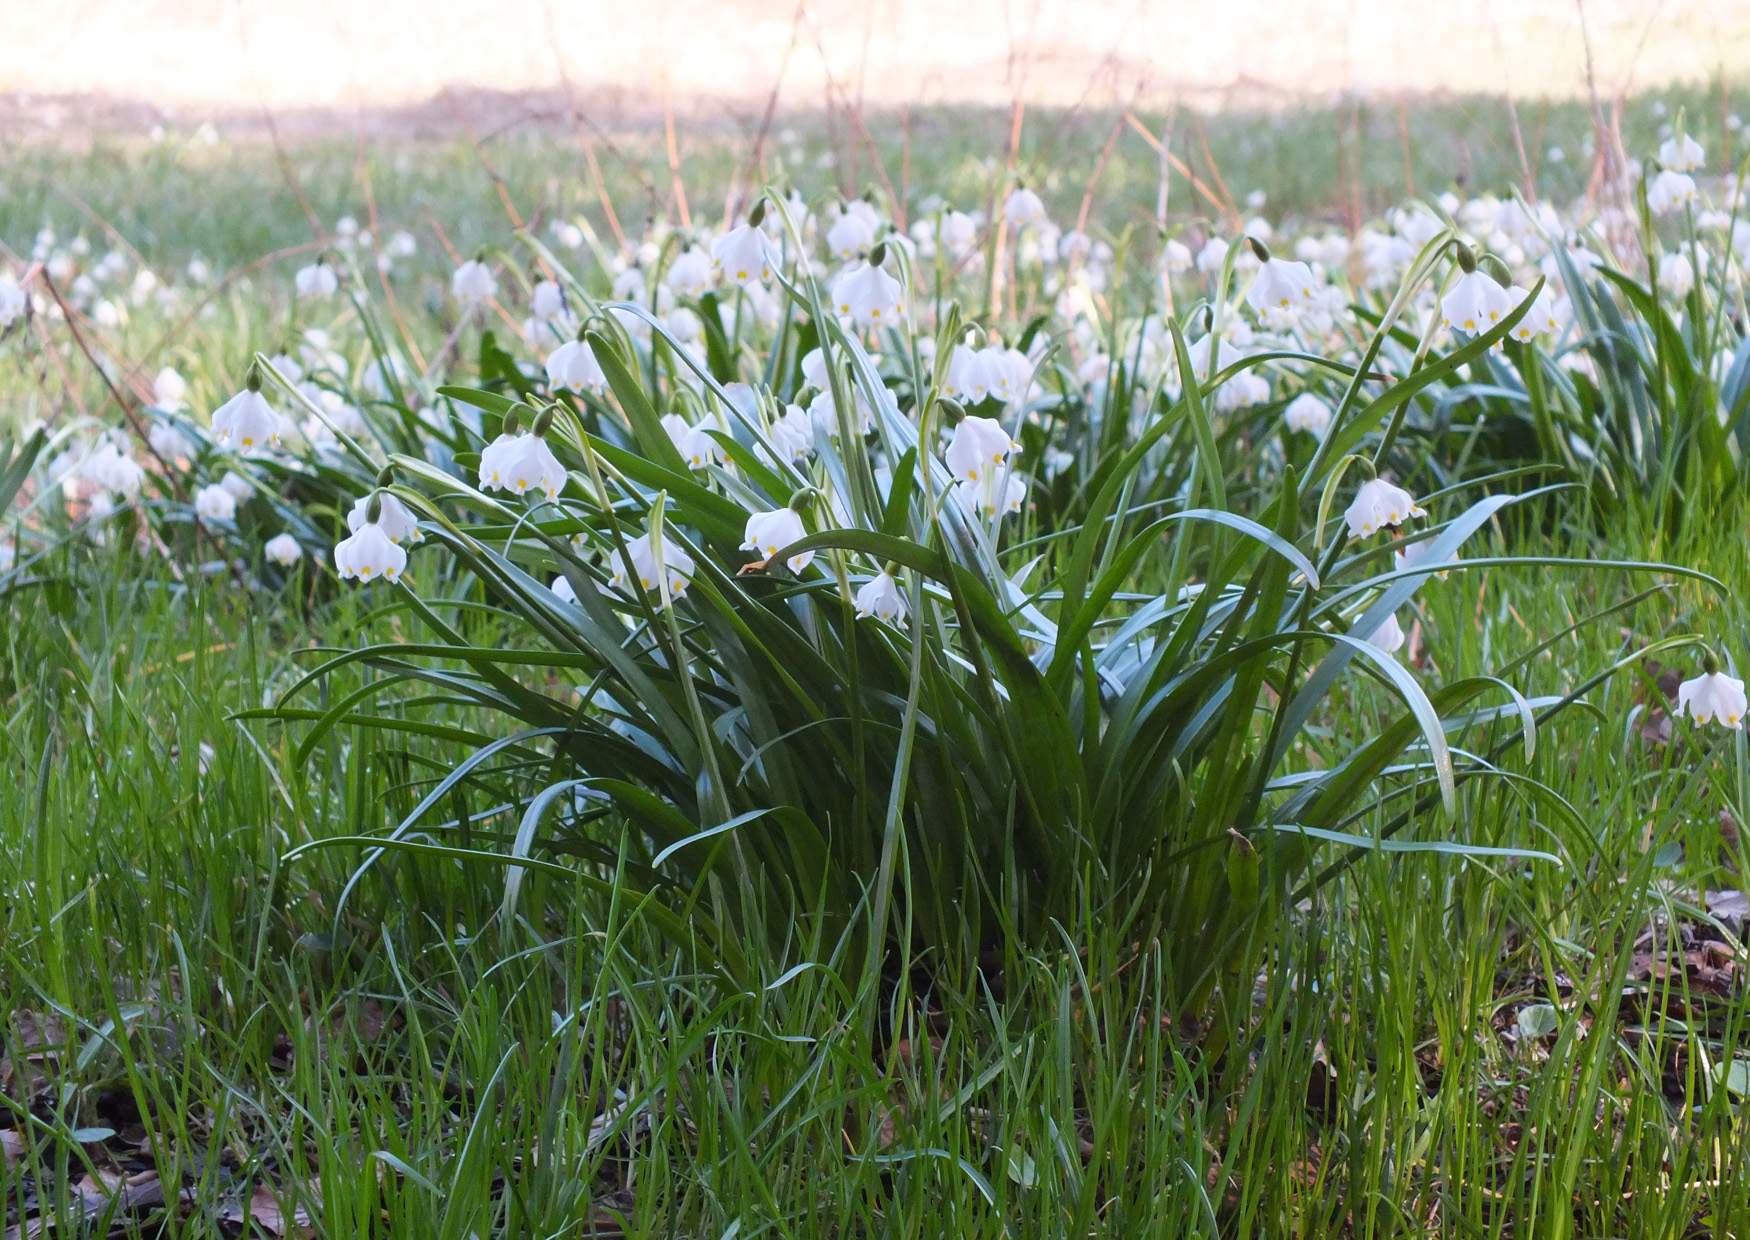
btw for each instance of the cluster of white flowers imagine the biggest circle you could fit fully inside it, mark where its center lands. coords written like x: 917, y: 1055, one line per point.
x: 1274, y: 297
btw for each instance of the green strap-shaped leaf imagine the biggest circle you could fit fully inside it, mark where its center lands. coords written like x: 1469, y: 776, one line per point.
x: 640, y: 413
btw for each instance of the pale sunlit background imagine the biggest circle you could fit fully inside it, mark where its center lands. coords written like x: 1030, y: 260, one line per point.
x: 225, y: 58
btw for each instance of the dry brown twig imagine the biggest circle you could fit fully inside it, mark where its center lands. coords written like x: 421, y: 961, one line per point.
x: 677, y: 187
x: 363, y: 172
x: 1179, y: 166
x: 756, y: 157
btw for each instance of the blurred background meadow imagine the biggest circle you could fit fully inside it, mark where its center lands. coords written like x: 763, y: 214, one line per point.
x: 1120, y: 878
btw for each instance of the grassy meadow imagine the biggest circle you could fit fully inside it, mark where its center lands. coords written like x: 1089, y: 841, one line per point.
x: 1110, y: 888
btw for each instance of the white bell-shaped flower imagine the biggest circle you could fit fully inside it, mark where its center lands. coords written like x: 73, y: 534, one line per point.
x: 690, y: 273
x: 283, y: 550
x: 676, y: 566
x: 1198, y: 353
x: 112, y: 467
x: 99, y: 507
x: 696, y: 447
x: 169, y: 390
x: 824, y: 412
x: 792, y: 434
x: 1681, y: 153
x: 1670, y: 191
x: 770, y: 532
x: 1022, y: 207
x: 474, y: 282
x: 958, y: 233
x: 869, y: 296
x: 12, y: 299
x: 1244, y: 390
x: 1282, y: 284
x: 979, y: 448
x: 882, y: 598
x: 1418, y: 554
x: 396, y: 518
x: 169, y: 444
x: 1212, y: 256
x: 1308, y: 412
x: 814, y: 368
x: 999, y: 492
x: 214, y: 503
x: 519, y: 464
x: 1010, y: 372
x: 1676, y: 276
x: 316, y: 280
x: 1712, y: 697
x: 247, y: 422
x: 851, y: 234
x: 1475, y: 304
x: 317, y: 353
x: 1541, y: 319
x: 1389, y: 636
x: 547, y: 300
x: 969, y: 379
x: 562, y: 590
x: 1378, y: 504
x: 573, y: 365
x: 369, y: 553
x: 743, y: 255
x: 686, y: 326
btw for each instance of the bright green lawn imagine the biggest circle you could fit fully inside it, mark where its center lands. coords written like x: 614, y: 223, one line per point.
x: 403, y: 1064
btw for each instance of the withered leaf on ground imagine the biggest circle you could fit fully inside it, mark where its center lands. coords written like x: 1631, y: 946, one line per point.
x: 264, y: 1209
